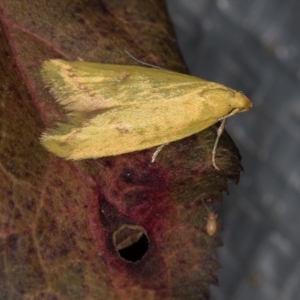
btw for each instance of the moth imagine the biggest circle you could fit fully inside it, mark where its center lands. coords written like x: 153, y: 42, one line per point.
x: 114, y: 109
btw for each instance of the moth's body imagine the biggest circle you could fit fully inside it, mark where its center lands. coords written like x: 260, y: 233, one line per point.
x: 115, y: 109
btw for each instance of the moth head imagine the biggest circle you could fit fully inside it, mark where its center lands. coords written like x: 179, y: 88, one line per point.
x: 226, y: 100
x: 240, y: 102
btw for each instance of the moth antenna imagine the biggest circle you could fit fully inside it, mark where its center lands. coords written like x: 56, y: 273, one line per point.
x: 142, y: 62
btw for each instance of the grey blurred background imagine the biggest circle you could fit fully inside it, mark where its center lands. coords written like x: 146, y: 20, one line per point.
x: 254, y: 46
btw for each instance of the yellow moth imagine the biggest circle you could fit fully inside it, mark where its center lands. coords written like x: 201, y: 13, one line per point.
x: 115, y: 109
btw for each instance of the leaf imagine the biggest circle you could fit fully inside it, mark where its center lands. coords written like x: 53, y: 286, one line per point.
x: 112, y: 228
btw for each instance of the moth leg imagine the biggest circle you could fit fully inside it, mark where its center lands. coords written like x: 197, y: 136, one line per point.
x: 219, y: 133
x: 154, y: 156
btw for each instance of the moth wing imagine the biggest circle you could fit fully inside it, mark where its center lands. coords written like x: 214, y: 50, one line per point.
x: 127, y: 129
x: 85, y: 86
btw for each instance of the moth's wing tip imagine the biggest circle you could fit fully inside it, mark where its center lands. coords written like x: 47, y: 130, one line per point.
x: 53, y: 141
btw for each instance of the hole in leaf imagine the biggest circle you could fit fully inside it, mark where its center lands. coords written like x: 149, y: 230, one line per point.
x: 131, y: 242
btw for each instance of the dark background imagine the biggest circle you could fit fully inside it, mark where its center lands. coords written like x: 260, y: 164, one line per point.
x: 254, y: 46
